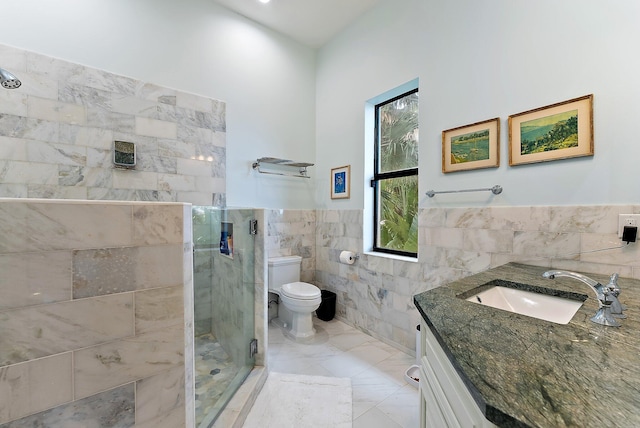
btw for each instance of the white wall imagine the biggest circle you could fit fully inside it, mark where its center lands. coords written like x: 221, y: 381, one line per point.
x: 477, y: 60
x: 267, y: 80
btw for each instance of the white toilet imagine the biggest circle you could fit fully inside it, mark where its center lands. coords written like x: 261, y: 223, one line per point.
x: 298, y: 299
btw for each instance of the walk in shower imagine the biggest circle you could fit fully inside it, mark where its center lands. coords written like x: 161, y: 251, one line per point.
x: 224, y: 286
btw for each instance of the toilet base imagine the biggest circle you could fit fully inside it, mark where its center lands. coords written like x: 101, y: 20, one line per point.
x: 296, y: 326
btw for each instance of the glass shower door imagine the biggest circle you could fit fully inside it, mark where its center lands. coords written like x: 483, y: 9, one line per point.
x: 224, y: 306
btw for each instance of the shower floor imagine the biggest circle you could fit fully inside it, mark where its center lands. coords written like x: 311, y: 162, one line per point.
x: 215, y: 371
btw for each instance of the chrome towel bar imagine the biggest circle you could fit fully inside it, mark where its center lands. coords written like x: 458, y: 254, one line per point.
x: 496, y: 190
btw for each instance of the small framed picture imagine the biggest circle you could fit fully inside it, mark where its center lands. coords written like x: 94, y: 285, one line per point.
x: 559, y: 131
x: 472, y: 146
x: 340, y: 182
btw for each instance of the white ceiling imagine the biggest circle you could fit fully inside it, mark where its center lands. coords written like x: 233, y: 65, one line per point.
x: 311, y: 22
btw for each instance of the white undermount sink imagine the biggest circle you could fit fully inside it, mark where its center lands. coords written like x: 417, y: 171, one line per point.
x: 546, y: 307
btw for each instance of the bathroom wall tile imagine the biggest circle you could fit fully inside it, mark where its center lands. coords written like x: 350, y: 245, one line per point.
x: 592, y: 219
x: 432, y: 217
x: 157, y: 164
x: 115, y: 363
x: 56, y: 192
x: 133, y: 105
x: 116, y: 270
x: 492, y: 241
x: 39, y: 331
x: 75, y: 92
x: 133, y: 179
x: 56, y: 111
x: 194, y: 167
x: 158, y: 308
x: 114, y: 408
x: 28, y: 128
x: 159, y: 224
x: 96, y: 138
x: 442, y: 237
x: 100, y: 118
x: 520, y: 218
x: 160, y: 266
x: 31, y: 226
x: 96, y: 177
x: 618, y: 254
x: 433, y: 277
x: 104, y: 80
x: 457, y: 242
x: 34, y: 386
x: 209, y: 184
x: 479, y: 218
x: 193, y: 101
x: 15, y: 172
x: 61, y: 154
x: 547, y: 244
x: 153, y: 92
x: 176, y: 148
x: 55, y: 68
x: 14, y: 103
x: 160, y: 397
x: 104, y: 271
x: 13, y: 149
x: 34, y: 278
x: 155, y: 128
x: 13, y: 190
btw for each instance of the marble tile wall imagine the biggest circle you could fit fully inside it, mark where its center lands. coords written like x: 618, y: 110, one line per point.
x: 94, y: 326
x: 376, y: 293
x: 293, y: 232
x: 58, y: 129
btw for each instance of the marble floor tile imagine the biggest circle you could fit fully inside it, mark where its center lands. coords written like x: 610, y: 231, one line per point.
x: 381, y: 396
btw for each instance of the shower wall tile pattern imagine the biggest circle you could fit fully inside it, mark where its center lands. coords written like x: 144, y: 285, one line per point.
x: 376, y: 293
x: 58, y: 129
x: 293, y: 232
x: 77, y: 348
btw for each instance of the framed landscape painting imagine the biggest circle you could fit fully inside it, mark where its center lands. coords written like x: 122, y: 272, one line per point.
x: 471, y: 146
x: 340, y: 182
x: 559, y: 131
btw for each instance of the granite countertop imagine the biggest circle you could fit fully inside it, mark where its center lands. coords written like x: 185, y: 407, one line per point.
x: 528, y: 372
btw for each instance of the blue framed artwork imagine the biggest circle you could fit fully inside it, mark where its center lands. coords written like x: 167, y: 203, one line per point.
x: 340, y: 182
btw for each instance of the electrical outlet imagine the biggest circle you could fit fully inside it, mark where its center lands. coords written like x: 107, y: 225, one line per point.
x: 627, y: 220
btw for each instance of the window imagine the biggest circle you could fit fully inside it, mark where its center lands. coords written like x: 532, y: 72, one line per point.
x: 395, y: 178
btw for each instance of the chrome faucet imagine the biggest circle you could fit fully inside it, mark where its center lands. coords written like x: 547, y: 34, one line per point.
x: 604, y: 295
x: 614, y: 292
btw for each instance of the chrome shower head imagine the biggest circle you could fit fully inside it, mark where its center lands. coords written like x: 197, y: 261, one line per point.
x: 8, y: 80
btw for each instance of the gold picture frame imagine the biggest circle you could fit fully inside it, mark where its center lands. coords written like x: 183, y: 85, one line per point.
x: 472, y: 146
x: 341, y: 182
x: 558, y: 131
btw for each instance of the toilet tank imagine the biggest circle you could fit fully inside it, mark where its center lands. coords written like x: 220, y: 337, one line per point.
x: 284, y: 270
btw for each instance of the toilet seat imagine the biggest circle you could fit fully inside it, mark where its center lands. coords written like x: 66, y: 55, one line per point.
x: 300, y: 290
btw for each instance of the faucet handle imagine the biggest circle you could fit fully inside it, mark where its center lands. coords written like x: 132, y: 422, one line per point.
x: 613, y: 286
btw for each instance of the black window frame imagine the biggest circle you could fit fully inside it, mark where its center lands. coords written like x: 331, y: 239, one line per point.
x: 379, y: 176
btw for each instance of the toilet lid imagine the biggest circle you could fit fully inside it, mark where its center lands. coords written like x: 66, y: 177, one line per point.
x: 300, y: 290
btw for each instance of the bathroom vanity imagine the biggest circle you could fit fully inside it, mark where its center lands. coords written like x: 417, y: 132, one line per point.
x: 486, y: 367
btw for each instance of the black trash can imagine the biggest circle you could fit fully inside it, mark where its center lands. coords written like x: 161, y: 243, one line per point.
x: 327, y: 309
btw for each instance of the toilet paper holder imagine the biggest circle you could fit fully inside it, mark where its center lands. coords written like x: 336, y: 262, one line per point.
x: 348, y: 257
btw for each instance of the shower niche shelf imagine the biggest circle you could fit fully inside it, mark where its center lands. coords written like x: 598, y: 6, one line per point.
x: 277, y: 166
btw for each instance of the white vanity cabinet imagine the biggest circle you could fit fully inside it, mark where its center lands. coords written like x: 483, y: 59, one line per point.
x: 444, y: 399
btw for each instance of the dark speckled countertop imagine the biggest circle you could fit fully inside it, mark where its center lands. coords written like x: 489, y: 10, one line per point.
x: 527, y: 372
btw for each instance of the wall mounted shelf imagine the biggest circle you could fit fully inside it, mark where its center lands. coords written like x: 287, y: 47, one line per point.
x: 301, y: 167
